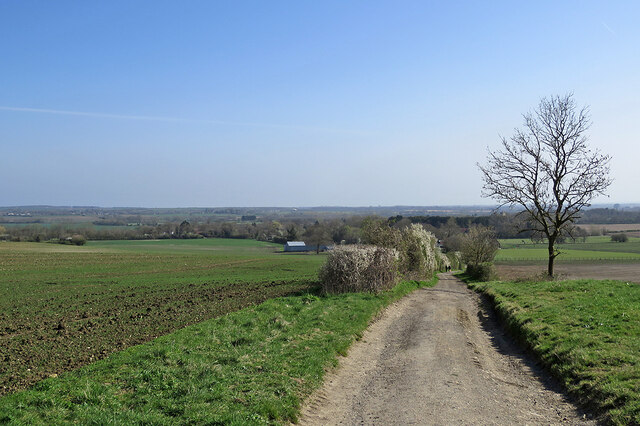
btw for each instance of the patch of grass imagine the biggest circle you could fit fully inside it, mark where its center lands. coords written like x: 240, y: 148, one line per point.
x: 252, y: 366
x: 586, y: 332
x: 631, y: 246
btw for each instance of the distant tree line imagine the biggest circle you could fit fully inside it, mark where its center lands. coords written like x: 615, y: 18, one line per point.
x: 448, y: 229
x: 313, y: 231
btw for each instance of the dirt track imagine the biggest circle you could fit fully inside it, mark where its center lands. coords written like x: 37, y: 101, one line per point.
x: 435, y: 357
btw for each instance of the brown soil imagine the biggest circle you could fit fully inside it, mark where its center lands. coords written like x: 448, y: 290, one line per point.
x: 48, y: 343
x: 602, y: 271
x: 616, y: 227
x: 438, y: 357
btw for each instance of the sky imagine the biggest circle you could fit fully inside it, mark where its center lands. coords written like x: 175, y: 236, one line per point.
x: 211, y: 103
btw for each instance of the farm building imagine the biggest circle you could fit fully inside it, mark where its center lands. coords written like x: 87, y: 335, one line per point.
x: 301, y: 246
x: 295, y: 246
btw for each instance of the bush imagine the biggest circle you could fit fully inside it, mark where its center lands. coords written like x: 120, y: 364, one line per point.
x: 619, y: 238
x: 419, y: 255
x: 481, y: 271
x: 479, y: 245
x: 377, y: 232
x: 78, y: 240
x: 359, y: 268
x: 455, y: 259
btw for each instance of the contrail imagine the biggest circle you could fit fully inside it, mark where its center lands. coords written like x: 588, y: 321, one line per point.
x: 95, y: 114
x: 174, y: 119
x: 609, y: 29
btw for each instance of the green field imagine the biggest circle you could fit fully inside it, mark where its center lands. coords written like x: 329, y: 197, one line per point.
x: 594, y: 249
x: 65, y: 306
x: 586, y: 332
x: 222, y: 356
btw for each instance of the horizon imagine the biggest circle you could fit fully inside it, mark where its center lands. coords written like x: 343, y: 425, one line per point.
x: 440, y: 206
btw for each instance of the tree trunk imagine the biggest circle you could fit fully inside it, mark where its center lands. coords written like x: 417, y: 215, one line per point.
x: 552, y: 257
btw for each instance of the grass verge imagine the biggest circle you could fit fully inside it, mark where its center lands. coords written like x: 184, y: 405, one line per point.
x: 252, y: 366
x: 586, y: 332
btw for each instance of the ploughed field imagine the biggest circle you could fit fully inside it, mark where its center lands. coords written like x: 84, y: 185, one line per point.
x: 65, y: 306
x: 631, y: 229
x: 597, y: 257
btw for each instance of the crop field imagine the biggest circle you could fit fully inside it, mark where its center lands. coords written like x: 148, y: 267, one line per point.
x: 65, y: 306
x: 595, y: 248
x: 250, y: 367
x: 632, y: 229
x: 597, y: 258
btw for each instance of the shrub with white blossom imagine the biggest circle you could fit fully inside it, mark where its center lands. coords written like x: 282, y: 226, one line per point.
x: 359, y: 268
x: 420, y: 256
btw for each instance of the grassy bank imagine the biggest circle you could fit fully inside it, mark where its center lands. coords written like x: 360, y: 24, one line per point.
x: 586, y: 332
x: 252, y: 366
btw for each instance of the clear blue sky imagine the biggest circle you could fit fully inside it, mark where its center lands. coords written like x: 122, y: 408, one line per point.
x: 203, y: 103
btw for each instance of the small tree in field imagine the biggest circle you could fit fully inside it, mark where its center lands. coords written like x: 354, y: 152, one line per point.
x: 292, y: 232
x: 548, y: 169
x: 78, y: 240
x: 479, y: 245
x: 317, y: 234
x: 619, y: 238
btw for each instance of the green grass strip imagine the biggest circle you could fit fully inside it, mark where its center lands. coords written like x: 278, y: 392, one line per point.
x: 253, y: 366
x: 586, y: 332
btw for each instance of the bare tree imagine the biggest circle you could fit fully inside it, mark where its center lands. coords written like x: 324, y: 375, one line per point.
x: 548, y: 169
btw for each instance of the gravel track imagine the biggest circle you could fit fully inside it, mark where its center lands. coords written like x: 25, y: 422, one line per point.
x: 438, y: 357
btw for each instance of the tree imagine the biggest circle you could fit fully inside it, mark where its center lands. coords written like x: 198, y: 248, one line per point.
x: 292, y: 232
x: 183, y: 229
x: 377, y: 232
x: 317, y: 234
x: 479, y: 245
x: 78, y: 239
x: 450, y: 228
x: 578, y: 233
x: 226, y: 230
x: 619, y: 238
x: 548, y: 169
